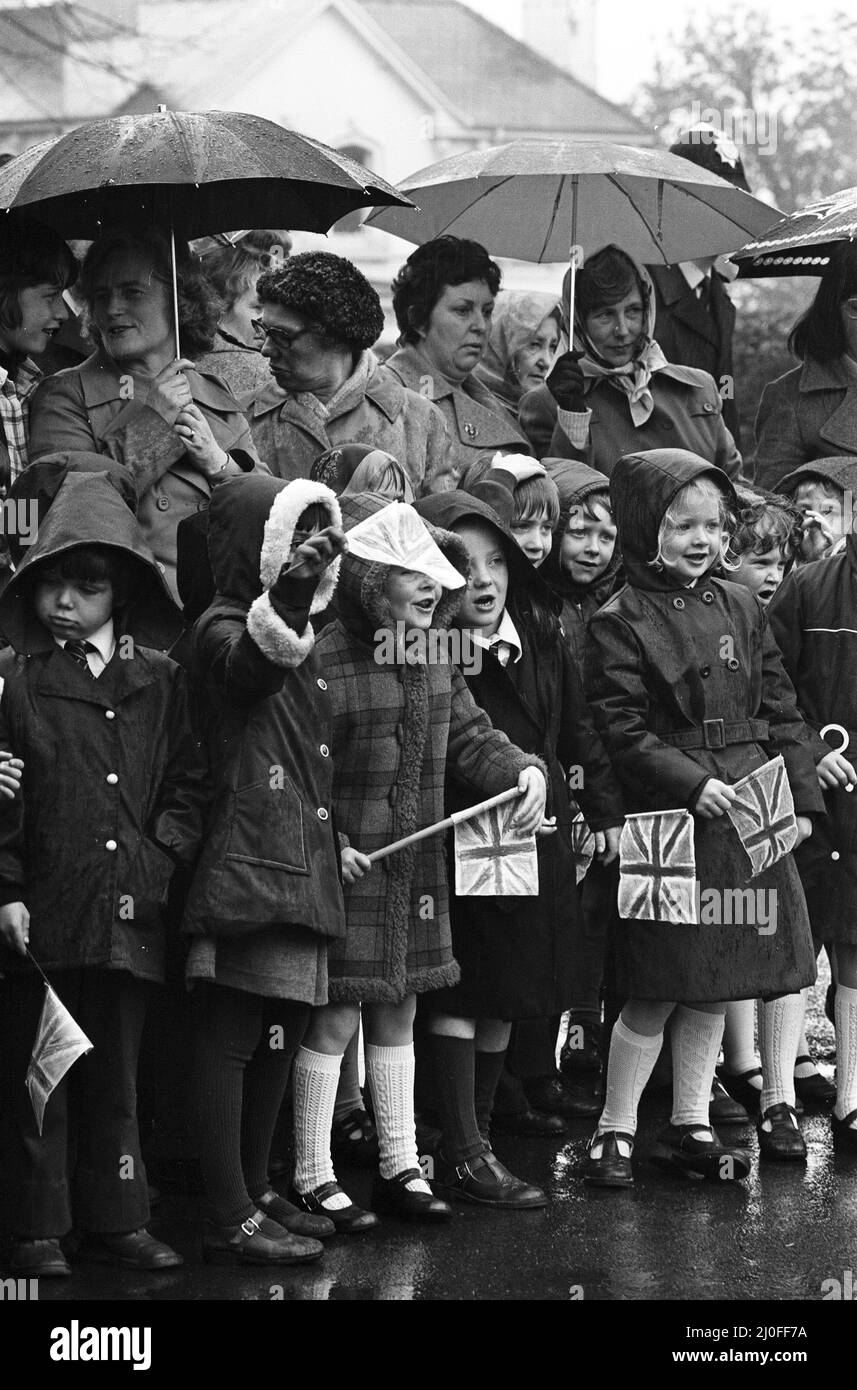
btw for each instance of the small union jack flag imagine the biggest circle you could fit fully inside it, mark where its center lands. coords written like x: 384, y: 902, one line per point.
x: 763, y: 813
x: 491, y: 859
x: 657, y: 863
x: 582, y: 844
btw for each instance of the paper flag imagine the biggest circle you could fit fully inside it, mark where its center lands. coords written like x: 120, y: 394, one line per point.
x: 763, y: 813
x: 583, y: 844
x: 491, y: 859
x: 657, y: 868
x: 396, y: 535
x: 59, y: 1043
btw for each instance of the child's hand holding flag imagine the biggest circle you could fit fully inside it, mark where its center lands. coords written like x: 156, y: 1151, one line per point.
x: 15, y: 927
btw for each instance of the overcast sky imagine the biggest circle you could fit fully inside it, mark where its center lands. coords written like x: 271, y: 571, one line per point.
x: 632, y: 30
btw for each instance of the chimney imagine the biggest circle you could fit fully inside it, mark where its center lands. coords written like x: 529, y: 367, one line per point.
x: 563, y: 31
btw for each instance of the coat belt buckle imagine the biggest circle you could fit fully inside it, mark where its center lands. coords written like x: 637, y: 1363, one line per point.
x: 714, y: 733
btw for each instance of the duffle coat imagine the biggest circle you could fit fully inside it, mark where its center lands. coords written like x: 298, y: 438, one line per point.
x: 114, y: 788
x: 398, y: 731
x: 813, y: 617
x: 665, y: 658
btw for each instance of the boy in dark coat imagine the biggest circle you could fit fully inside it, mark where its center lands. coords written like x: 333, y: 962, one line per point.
x: 112, y: 801
x: 813, y: 619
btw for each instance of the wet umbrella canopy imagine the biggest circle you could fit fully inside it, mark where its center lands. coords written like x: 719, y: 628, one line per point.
x: 801, y: 244
x: 201, y: 171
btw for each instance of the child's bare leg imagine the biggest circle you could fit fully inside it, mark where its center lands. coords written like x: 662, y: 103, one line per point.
x: 845, y: 1010
x: 739, y: 1043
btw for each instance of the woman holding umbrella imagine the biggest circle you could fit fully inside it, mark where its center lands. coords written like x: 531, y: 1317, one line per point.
x: 617, y: 393
x: 179, y: 431
x: 811, y: 411
x: 443, y: 299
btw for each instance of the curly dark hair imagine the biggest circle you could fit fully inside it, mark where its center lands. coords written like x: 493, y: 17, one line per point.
x: 606, y: 278
x: 766, y: 520
x: 200, y: 306
x: 448, y: 260
x: 819, y: 333
x: 30, y: 254
x: 328, y: 291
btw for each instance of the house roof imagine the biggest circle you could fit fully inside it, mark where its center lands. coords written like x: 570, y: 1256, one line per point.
x: 457, y: 49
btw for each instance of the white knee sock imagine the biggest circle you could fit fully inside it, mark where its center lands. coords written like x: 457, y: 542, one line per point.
x: 390, y: 1073
x: 696, y: 1038
x: 631, y: 1063
x: 780, y: 1022
x: 315, y: 1079
x: 845, y: 1012
x: 739, y: 1046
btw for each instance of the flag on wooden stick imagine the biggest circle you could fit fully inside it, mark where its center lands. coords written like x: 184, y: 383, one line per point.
x: 59, y: 1043
x: 763, y: 813
x: 583, y: 846
x: 491, y: 858
x: 657, y: 867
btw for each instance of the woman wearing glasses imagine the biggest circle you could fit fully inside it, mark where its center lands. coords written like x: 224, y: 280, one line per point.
x: 320, y: 317
x: 180, y: 431
x: 811, y: 412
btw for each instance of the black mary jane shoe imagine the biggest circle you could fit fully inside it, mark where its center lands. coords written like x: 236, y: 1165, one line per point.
x: 814, y: 1089
x: 678, y: 1150
x: 570, y: 1100
x: 354, y: 1140
x: 844, y: 1136
x: 611, y: 1168
x: 535, y: 1124
x: 257, y: 1241
x: 486, y: 1182
x: 130, y: 1250
x: 350, y: 1220
x: 783, y: 1140
x: 724, y: 1109
x: 739, y: 1086
x: 293, y: 1218
x: 392, y: 1197
x: 38, y: 1259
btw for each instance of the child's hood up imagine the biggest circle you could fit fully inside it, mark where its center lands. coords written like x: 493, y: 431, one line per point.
x: 838, y: 469
x: 575, y: 481
x: 642, y: 487
x: 445, y: 509
x: 88, y: 510
x: 360, y: 596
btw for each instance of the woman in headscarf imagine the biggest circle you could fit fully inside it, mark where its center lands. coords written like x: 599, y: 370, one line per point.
x: 525, y: 335
x: 616, y: 393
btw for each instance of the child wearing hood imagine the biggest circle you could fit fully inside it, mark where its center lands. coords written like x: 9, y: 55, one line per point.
x: 812, y: 618
x: 689, y: 692
x: 823, y: 492
x: 266, y: 898
x: 112, y: 801
x: 516, y: 953
x: 399, y: 727
x: 616, y: 393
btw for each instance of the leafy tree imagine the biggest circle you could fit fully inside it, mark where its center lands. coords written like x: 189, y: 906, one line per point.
x: 785, y: 96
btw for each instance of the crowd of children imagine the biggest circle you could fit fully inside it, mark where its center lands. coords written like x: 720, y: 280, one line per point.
x: 248, y: 794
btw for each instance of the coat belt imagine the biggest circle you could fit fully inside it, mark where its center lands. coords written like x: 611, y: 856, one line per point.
x: 716, y: 733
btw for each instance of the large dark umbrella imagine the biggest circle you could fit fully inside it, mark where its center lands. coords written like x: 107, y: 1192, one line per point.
x: 201, y: 171
x: 803, y: 242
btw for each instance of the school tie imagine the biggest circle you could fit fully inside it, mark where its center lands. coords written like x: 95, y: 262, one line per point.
x: 501, y: 649
x: 77, y: 651
x: 703, y: 292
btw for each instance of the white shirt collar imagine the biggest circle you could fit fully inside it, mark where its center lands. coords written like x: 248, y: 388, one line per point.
x: 505, y: 636
x: 692, y: 273
x: 104, y: 643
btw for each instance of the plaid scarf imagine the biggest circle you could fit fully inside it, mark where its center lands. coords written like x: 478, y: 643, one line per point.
x: 15, y: 416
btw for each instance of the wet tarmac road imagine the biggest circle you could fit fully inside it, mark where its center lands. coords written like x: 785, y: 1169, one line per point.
x: 777, y: 1236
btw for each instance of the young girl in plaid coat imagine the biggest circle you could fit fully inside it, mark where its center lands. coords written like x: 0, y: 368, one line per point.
x: 397, y: 730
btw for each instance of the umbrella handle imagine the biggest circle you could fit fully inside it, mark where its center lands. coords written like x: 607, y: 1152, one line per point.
x: 175, y: 286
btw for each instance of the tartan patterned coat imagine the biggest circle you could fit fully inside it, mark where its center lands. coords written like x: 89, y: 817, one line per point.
x: 397, y: 731
x: 660, y: 665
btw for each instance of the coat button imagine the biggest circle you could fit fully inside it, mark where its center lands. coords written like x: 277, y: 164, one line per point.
x: 111, y: 845
x: 709, y: 408
x: 393, y: 795
x: 112, y: 778
x: 163, y: 503
x: 666, y: 424
x: 705, y: 670
x: 471, y: 430
x: 322, y: 685
x: 110, y: 714
x: 324, y: 751
x: 322, y: 814
x: 708, y: 597
x: 834, y: 854
x: 733, y: 663
x: 678, y: 603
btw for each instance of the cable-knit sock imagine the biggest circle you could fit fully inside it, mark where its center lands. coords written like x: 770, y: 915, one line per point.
x: 631, y: 1062
x: 390, y: 1073
x: 780, y: 1022
x: 696, y: 1038
x: 316, y: 1076
x: 845, y: 1011
x: 739, y: 1044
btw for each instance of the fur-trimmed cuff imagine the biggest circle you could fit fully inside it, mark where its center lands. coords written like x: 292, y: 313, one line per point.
x: 274, y: 638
